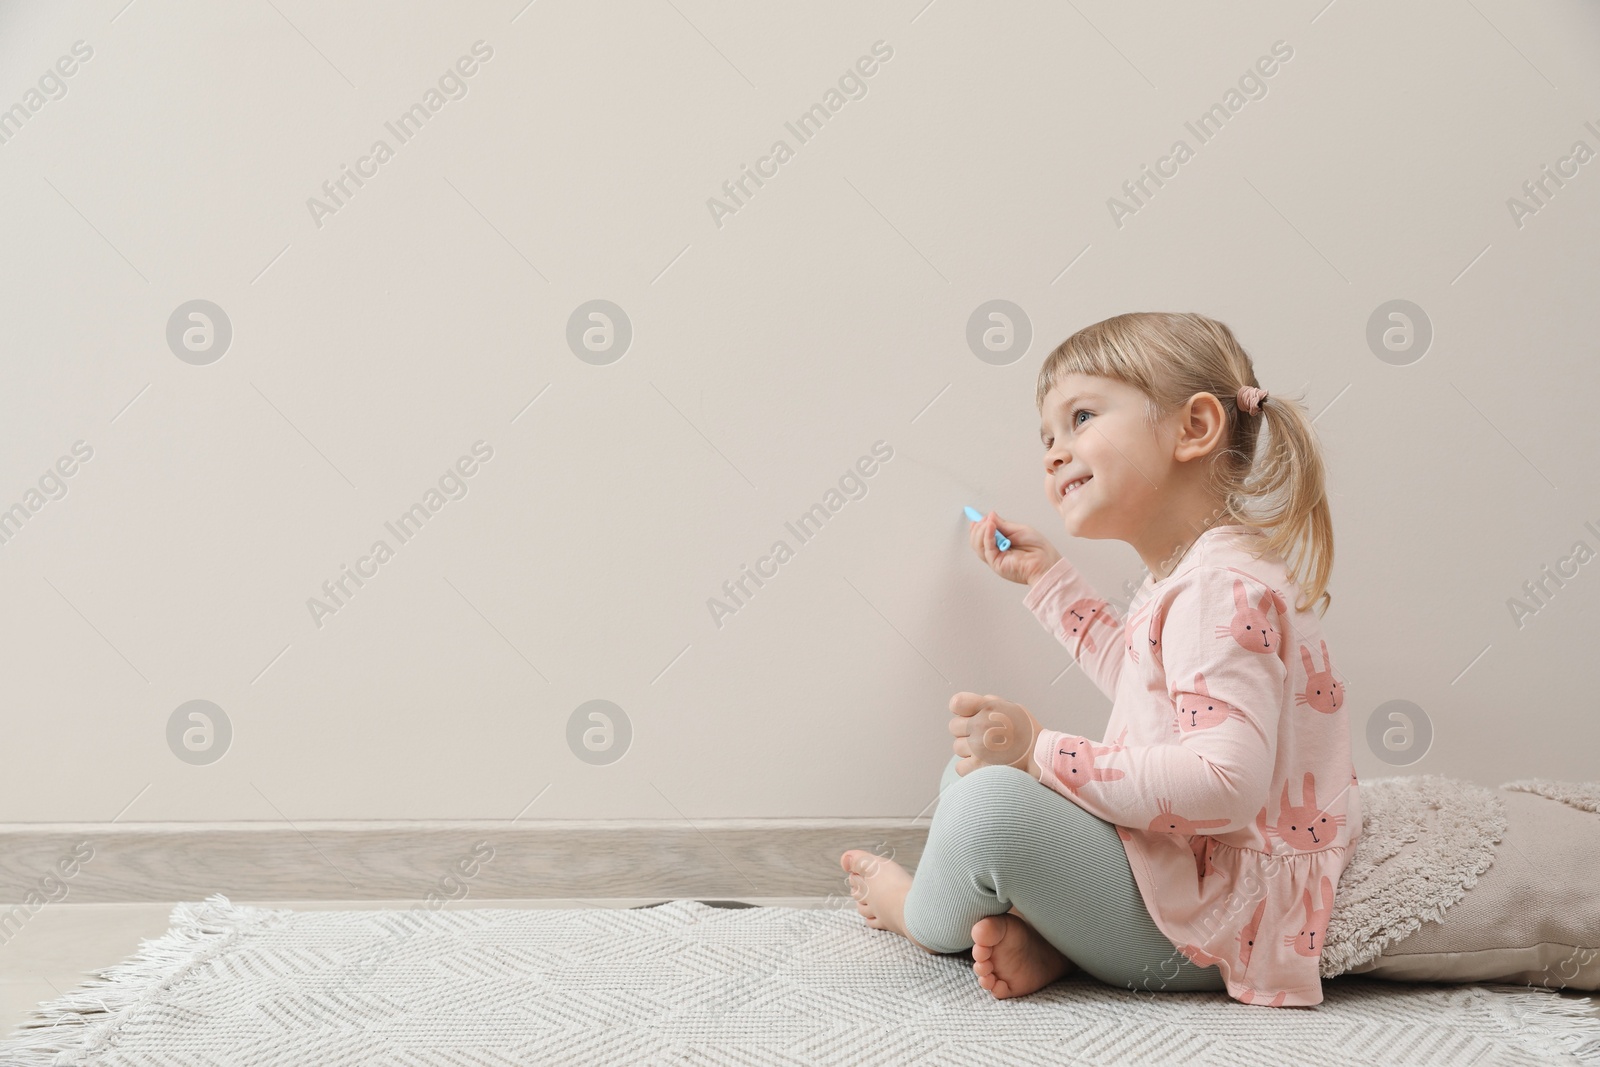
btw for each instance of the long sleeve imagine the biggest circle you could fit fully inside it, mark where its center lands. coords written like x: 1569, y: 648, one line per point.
x: 1220, y: 643
x: 1081, y: 620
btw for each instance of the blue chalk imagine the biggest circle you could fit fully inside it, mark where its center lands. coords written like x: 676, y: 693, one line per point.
x: 1000, y: 539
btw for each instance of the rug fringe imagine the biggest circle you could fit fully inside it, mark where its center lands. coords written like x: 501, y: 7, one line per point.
x: 67, y: 1029
x: 1565, y: 1023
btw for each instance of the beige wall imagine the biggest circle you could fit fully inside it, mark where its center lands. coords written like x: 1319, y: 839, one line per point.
x: 374, y: 342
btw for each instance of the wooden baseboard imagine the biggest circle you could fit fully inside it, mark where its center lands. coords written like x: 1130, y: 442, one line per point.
x: 440, y: 861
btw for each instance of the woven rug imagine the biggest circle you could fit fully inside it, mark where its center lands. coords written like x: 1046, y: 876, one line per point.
x: 687, y: 983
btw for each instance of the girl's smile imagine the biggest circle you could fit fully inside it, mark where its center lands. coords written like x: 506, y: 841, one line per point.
x: 1074, y: 484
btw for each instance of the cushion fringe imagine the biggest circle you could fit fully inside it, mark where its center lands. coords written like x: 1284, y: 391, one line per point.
x: 1585, y: 796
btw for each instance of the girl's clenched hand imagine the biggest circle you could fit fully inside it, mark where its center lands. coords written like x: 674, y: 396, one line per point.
x: 992, y: 731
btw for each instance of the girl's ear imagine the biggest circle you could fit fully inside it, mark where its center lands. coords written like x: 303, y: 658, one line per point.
x: 1201, y: 424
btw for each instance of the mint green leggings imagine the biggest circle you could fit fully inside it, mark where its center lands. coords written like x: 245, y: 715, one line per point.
x: 1000, y: 839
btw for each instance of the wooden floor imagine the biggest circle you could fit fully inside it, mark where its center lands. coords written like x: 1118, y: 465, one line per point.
x: 52, y: 953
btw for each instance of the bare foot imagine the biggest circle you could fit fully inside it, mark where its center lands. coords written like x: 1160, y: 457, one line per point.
x: 1012, y: 959
x: 879, y: 887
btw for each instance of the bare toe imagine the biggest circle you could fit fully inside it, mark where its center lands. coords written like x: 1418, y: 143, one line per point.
x: 879, y: 886
x: 1012, y: 959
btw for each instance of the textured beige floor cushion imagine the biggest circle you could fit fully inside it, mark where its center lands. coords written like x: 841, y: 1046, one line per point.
x: 1533, y: 916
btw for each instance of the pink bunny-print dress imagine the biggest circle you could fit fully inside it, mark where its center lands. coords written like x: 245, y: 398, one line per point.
x: 1226, y: 763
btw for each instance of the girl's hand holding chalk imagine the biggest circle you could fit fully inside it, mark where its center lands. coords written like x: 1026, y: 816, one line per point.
x: 999, y: 538
x: 1027, y: 555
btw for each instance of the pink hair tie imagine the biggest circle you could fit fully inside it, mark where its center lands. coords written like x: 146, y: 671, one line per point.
x: 1250, y: 399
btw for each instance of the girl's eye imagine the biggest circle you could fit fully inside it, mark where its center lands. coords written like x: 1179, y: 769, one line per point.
x: 1048, y: 441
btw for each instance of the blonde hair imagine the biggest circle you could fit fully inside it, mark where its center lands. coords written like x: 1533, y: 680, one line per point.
x: 1278, y: 484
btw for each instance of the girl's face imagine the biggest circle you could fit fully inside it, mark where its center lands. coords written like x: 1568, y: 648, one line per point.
x: 1094, y: 428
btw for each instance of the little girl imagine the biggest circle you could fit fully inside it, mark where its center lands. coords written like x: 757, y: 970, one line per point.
x: 1197, y: 846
